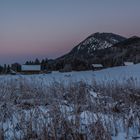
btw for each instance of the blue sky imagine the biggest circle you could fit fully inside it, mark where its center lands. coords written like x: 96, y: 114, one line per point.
x: 50, y: 28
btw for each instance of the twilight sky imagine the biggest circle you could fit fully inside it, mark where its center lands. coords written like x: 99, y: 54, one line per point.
x: 50, y: 28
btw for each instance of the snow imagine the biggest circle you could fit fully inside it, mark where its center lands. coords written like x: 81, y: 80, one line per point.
x: 95, y: 44
x: 93, y: 94
x: 97, y: 65
x: 88, y: 117
x: 104, y: 44
x: 109, y: 75
x: 31, y: 67
x: 114, y: 40
x: 121, y: 136
x: 128, y: 63
x: 121, y: 74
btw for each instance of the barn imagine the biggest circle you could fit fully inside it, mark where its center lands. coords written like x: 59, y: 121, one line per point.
x: 31, y: 69
x: 97, y: 66
x: 128, y: 63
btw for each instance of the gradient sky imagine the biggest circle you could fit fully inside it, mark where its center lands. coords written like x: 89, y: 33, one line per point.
x: 50, y: 28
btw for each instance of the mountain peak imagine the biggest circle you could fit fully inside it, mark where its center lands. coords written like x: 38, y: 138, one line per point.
x: 96, y: 41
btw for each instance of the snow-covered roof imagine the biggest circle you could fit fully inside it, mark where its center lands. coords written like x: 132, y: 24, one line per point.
x: 97, y: 65
x: 12, y: 71
x: 128, y: 63
x: 30, y: 67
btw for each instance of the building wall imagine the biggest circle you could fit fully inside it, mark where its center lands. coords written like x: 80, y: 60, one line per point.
x: 31, y: 72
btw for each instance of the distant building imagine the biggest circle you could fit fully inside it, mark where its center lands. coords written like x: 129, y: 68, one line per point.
x: 31, y: 69
x: 128, y: 63
x: 12, y: 72
x: 97, y: 66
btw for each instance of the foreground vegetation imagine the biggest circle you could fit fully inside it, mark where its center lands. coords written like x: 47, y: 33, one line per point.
x: 74, y: 111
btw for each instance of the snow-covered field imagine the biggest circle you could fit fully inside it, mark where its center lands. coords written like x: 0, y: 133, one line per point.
x: 93, y: 105
x: 121, y: 74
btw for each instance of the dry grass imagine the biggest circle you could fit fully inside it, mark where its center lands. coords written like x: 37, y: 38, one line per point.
x: 31, y: 111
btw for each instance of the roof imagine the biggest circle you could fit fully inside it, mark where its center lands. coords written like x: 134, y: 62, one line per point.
x: 128, y: 63
x: 97, y: 65
x: 12, y: 71
x: 30, y: 67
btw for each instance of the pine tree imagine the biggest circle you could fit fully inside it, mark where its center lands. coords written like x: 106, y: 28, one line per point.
x: 1, y: 69
x: 8, y: 69
x: 27, y: 63
x: 37, y: 62
x: 4, y: 69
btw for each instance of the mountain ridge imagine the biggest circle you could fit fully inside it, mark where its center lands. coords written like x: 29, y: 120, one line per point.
x: 105, y: 48
x: 94, y: 42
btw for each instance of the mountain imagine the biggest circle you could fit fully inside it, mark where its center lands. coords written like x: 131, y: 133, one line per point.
x: 127, y: 50
x: 106, y: 48
x: 94, y: 42
x: 132, y: 41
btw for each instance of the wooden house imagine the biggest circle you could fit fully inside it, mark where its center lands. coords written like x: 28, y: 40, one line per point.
x: 31, y: 69
x: 128, y: 63
x: 97, y: 66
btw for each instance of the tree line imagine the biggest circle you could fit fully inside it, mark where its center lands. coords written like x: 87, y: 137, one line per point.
x: 16, y: 67
x: 49, y: 65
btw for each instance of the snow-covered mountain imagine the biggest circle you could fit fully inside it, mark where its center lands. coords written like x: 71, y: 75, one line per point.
x: 94, y: 42
x: 97, y: 41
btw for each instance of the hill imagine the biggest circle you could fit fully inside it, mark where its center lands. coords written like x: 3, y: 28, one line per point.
x: 86, y: 52
x: 93, y: 43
